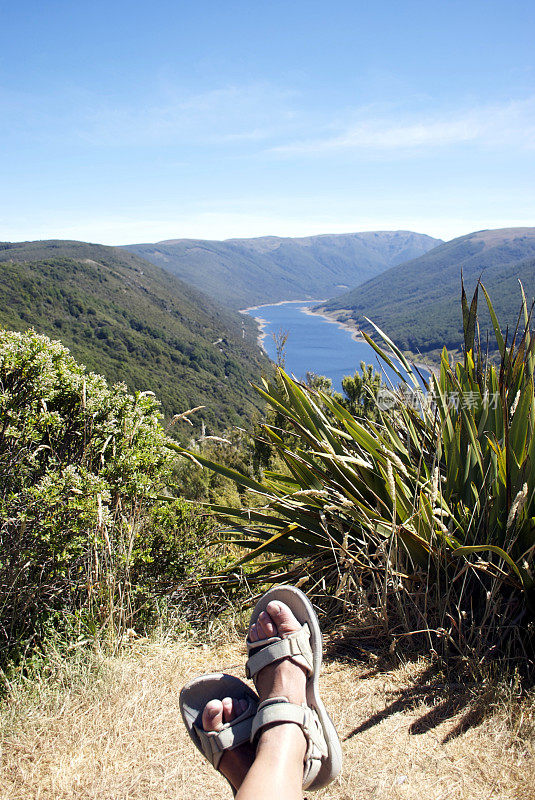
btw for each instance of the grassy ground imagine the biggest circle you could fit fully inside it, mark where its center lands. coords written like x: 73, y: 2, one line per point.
x: 111, y: 730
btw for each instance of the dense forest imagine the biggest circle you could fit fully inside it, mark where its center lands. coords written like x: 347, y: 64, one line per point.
x: 131, y: 321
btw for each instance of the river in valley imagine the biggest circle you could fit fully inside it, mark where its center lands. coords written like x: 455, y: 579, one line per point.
x: 315, y: 344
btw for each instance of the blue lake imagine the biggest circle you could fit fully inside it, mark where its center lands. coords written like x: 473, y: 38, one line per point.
x: 315, y: 344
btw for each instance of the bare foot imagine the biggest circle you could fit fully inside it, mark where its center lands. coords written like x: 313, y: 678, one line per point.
x: 286, y: 678
x: 234, y: 764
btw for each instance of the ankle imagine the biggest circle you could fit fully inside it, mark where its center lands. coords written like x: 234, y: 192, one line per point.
x: 284, y: 679
x: 283, y: 737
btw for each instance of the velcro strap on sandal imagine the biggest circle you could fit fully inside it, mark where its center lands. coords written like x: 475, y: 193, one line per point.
x: 280, y: 710
x: 266, y: 652
x: 231, y: 735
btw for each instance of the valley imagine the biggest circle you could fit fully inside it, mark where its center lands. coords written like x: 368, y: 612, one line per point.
x: 417, y: 303
x: 140, y: 317
x: 133, y: 322
x: 246, y: 272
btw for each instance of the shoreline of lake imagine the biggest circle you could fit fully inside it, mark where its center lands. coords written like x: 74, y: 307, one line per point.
x: 262, y: 333
x: 306, y: 307
x: 330, y: 317
x: 263, y: 322
x: 356, y: 335
x: 279, y: 303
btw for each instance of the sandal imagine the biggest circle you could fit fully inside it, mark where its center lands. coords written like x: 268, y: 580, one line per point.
x: 193, y: 698
x: 323, y: 760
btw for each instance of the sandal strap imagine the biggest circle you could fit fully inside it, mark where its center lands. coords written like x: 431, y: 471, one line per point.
x: 267, y: 651
x: 280, y: 710
x: 231, y: 735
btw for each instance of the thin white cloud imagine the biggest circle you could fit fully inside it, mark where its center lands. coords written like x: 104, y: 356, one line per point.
x: 253, y: 112
x: 261, y: 117
x: 509, y: 124
x: 241, y: 113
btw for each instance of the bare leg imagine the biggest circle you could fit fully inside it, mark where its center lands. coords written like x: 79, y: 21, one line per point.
x: 277, y: 771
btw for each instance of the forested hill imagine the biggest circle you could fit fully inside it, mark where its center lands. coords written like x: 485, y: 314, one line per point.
x: 134, y: 322
x: 245, y: 272
x: 418, y: 303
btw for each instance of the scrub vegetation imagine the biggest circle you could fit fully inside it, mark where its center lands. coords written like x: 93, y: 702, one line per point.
x: 85, y: 549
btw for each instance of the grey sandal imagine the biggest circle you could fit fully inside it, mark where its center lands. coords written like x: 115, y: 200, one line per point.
x: 193, y: 698
x: 324, y: 753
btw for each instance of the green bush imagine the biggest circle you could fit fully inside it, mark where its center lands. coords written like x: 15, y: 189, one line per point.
x: 81, y: 539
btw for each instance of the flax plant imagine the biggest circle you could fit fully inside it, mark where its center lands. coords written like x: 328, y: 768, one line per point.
x: 422, y: 520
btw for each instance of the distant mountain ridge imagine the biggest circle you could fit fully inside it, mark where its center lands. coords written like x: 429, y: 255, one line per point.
x: 418, y: 303
x: 131, y: 321
x: 245, y: 272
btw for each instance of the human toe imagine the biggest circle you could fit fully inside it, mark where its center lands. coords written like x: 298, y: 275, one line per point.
x: 212, y: 716
x: 228, y: 709
x: 265, y: 627
x: 282, y: 618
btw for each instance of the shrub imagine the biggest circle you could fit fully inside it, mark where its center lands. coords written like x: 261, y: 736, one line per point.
x: 82, y: 541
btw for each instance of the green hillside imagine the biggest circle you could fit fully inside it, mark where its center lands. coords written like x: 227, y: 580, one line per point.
x: 245, y: 272
x: 418, y: 303
x: 131, y: 321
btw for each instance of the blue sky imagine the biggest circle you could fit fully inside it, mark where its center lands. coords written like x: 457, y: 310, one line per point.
x: 126, y: 122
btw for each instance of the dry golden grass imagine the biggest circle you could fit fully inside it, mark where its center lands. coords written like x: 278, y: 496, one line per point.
x: 116, y: 734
